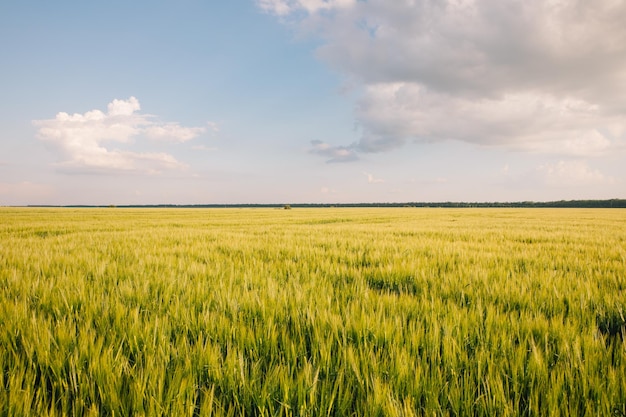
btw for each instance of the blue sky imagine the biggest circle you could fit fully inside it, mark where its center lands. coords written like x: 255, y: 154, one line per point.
x: 293, y: 101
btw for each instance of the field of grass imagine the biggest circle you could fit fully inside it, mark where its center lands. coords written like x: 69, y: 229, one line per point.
x: 312, y: 312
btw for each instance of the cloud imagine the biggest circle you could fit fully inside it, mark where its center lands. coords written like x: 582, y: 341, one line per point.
x: 333, y: 153
x: 123, y: 107
x: 83, y: 139
x: 213, y: 126
x: 572, y: 173
x: 285, y: 7
x: 173, y: 132
x: 391, y: 114
x: 372, y: 180
x: 278, y: 7
x: 539, y: 76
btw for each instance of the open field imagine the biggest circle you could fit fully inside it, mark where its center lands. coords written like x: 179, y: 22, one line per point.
x: 311, y: 312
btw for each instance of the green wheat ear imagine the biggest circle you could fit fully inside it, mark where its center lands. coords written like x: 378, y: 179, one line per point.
x: 322, y: 312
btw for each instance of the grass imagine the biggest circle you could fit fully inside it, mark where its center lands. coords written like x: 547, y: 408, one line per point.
x: 312, y: 312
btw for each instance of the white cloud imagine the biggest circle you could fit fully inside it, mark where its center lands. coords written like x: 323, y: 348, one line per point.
x: 278, y: 7
x: 333, y: 153
x: 123, y: 107
x: 83, y: 138
x: 285, y: 7
x: 372, y: 180
x: 572, y: 173
x: 173, y: 132
x: 541, y: 76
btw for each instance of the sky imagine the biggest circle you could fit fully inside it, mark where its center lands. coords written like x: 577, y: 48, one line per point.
x: 311, y: 101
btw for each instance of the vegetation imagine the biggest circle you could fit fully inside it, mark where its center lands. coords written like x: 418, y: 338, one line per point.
x: 311, y: 312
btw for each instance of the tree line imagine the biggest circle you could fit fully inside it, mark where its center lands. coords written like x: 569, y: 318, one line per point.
x: 611, y: 203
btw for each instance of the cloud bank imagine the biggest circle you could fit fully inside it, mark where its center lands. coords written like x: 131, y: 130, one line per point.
x: 540, y: 76
x: 84, y: 139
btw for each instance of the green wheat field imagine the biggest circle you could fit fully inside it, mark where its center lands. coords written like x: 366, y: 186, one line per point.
x: 312, y: 312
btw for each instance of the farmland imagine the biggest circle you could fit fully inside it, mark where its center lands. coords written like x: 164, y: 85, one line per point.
x: 310, y: 312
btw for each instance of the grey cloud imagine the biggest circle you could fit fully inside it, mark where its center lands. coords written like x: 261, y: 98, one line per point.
x: 540, y: 76
x: 483, y: 48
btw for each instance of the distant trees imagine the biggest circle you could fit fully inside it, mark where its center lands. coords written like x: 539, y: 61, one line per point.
x: 612, y: 203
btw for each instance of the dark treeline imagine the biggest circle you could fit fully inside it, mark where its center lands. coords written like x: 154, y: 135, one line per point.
x: 613, y: 203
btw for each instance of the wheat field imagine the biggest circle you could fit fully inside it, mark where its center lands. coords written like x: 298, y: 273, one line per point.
x: 312, y: 312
